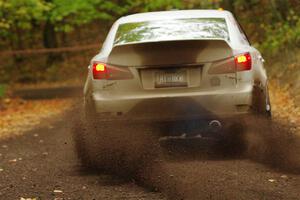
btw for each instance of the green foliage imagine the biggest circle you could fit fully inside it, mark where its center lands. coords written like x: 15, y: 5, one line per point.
x: 152, y: 5
x: 2, y: 90
x: 134, y: 6
x: 272, y: 25
x: 282, y: 35
x: 66, y: 14
x: 20, y: 14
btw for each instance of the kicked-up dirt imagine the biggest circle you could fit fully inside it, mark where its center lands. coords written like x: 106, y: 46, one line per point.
x: 130, y: 164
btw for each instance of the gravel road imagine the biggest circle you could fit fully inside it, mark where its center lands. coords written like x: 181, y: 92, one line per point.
x: 42, y: 164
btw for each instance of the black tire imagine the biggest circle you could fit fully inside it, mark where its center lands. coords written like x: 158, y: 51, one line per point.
x: 268, y: 103
x: 261, y: 104
x: 83, y: 128
x: 79, y: 131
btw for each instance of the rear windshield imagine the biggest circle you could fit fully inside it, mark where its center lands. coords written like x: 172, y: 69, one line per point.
x: 175, y: 29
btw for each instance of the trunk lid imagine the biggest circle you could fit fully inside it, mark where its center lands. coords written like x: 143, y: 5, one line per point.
x: 168, y: 53
x: 170, y: 64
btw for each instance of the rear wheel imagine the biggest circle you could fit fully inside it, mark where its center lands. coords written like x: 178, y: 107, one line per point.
x: 268, y: 103
x: 83, y: 129
x: 79, y: 131
x: 234, y: 138
x: 261, y: 104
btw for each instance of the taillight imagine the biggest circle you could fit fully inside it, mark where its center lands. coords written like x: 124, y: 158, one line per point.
x: 231, y: 65
x: 243, y: 62
x: 99, y: 71
x: 223, y: 67
x: 108, y: 72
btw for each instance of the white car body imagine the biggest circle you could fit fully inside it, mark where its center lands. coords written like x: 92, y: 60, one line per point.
x: 205, y: 95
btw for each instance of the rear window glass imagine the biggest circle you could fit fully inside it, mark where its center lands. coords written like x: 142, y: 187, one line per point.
x: 175, y: 29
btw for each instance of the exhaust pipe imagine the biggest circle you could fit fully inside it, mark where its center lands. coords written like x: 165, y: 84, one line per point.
x: 215, y: 125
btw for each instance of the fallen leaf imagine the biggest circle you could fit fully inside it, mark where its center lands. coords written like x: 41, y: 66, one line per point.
x: 20, y: 116
x: 22, y: 198
x: 13, y: 160
x: 50, y: 127
x: 284, y: 176
x: 58, y: 191
x: 272, y: 180
x: 7, y: 100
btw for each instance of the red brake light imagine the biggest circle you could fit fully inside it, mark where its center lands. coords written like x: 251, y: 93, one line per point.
x: 238, y: 63
x: 99, y: 71
x: 243, y: 62
x: 100, y: 67
x: 108, y: 72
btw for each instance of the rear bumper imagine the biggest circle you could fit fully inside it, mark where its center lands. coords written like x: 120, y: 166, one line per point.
x: 201, y: 105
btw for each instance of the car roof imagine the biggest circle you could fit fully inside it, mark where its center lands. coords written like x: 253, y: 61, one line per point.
x: 173, y: 14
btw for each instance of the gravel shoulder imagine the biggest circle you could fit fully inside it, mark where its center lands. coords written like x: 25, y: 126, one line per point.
x: 41, y: 164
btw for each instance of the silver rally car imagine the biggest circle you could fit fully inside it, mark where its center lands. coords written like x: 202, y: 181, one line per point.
x: 176, y: 65
x: 186, y: 71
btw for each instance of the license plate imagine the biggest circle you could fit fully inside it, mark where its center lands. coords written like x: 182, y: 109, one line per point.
x: 170, y: 78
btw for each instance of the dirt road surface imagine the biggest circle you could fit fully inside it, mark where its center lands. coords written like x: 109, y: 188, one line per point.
x: 42, y: 164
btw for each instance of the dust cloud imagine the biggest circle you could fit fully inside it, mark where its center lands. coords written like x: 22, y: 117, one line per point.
x: 273, y: 143
x: 132, y: 151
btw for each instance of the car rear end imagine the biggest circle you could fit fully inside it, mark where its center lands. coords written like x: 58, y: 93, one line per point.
x: 178, y: 69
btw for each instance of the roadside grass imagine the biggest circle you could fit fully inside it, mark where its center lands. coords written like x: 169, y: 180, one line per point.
x: 284, y: 105
x: 2, y: 90
x: 284, y: 72
x: 19, y: 116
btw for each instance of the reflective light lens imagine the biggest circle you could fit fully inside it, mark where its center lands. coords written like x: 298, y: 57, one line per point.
x: 99, y: 71
x: 241, y: 59
x: 103, y: 71
x: 100, y: 67
x: 243, y: 62
x: 234, y: 64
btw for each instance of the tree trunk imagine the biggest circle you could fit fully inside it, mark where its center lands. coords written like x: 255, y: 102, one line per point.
x: 50, y: 41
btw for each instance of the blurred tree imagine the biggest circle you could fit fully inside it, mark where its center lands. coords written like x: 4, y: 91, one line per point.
x: 65, y: 15
x: 18, y: 17
x: 19, y: 21
x: 50, y: 38
x: 271, y: 24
